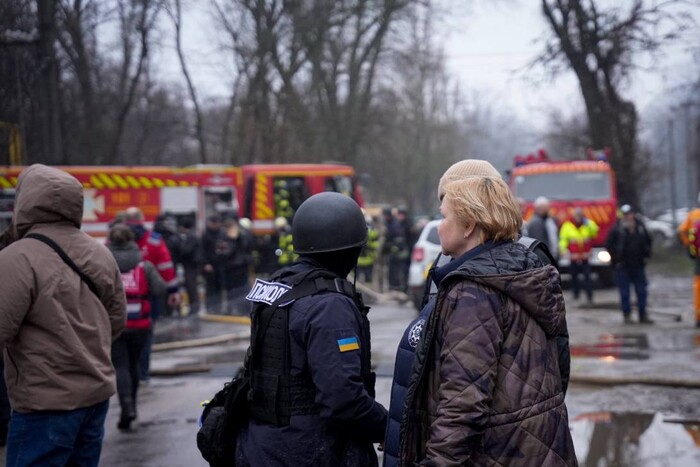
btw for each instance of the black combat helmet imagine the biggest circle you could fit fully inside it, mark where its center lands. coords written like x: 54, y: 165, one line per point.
x: 328, y: 222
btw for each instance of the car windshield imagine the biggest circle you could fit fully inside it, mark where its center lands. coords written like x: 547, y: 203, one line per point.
x: 563, y: 186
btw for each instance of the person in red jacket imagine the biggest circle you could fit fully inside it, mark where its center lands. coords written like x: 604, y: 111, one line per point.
x: 154, y: 250
x: 141, y: 280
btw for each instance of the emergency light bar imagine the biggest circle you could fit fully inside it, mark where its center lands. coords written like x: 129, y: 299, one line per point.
x: 598, y: 154
x: 542, y: 156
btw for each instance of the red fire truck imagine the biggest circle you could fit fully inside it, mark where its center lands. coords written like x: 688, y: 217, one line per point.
x: 259, y: 192
x: 178, y: 191
x: 587, y: 184
x: 270, y: 191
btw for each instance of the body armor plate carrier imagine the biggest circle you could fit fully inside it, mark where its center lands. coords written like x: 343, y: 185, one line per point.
x: 275, y: 395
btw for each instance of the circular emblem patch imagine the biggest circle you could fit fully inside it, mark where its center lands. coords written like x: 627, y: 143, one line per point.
x: 414, y: 333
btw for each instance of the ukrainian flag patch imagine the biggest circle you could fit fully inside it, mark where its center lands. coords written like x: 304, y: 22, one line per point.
x: 348, y: 344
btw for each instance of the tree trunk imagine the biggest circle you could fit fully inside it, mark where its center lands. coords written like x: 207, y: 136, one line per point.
x: 51, y: 135
x: 199, y: 119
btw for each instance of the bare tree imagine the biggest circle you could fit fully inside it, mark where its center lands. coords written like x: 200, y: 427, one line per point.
x: 309, y: 71
x: 599, y: 44
x: 423, y: 109
x: 104, y: 89
x: 174, y: 9
x: 251, y: 26
x: 78, y: 21
x: 567, y: 137
x: 20, y: 121
x: 51, y: 133
x: 136, y: 23
x: 344, y: 45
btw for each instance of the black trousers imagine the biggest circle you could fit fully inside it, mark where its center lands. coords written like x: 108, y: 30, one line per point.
x: 365, y: 273
x: 215, y: 288
x: 126, y: 352
x: 191, y: 288
x: 581, y: 267
x: 398, y: 273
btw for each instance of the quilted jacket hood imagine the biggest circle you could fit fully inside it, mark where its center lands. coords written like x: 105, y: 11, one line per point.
x: 518, y: 273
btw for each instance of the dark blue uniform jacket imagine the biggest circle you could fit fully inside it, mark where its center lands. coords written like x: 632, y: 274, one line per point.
x: 349, y: 420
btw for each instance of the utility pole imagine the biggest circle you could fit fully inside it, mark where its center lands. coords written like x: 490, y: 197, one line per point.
x: 689, y: 172
x: 672, y: 173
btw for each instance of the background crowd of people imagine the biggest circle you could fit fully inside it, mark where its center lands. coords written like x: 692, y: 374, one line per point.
x: 217, y: 267
x: 628, y: 243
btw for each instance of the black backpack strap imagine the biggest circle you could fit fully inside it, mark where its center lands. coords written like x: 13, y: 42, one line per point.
x: 42, y: 238
x: 539, y: 248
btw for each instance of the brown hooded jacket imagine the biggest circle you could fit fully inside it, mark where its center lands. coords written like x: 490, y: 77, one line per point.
x: 57, y: 334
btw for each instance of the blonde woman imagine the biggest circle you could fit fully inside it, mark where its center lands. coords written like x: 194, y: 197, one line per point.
x: 485, y: 388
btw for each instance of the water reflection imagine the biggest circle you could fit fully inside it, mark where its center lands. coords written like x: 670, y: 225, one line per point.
x: 607, y: 439
x: 636, y: 345
x: 614, y: 347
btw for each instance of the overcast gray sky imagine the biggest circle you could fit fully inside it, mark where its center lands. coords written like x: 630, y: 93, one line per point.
x: 491, y: 51
x: 488, y: 47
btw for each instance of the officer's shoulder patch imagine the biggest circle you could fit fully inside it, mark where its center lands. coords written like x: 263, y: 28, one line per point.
x: 347, y: 344
x: 267, y: 292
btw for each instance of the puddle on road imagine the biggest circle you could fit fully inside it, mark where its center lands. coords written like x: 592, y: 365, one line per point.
x: 636, y: 346
x: 614, y: 347
x: 177, y: 330
x: 635, y: 439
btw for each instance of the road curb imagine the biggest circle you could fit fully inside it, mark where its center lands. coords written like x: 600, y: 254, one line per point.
x: 225, y: 319
x: 179, y: 370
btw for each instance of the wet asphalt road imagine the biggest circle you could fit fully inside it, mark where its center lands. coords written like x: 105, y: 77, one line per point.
x: 621, y: 425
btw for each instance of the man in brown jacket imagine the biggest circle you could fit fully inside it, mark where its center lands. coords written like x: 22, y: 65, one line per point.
x: 57, y: 328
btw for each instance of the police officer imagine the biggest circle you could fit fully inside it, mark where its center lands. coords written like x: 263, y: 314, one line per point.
x: 312, y: 397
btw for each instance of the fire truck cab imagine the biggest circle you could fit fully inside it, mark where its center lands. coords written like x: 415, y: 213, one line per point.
x: 270, y: 191
x: 569, y: 184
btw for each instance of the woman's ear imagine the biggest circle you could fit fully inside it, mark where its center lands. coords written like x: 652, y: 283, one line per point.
x: 469, y: 229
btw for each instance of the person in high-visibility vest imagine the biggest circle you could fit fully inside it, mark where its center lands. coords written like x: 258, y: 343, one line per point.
x: 576, y: 237
x: 368, y: 254
x: 285, y: 251
x: 689, y: 233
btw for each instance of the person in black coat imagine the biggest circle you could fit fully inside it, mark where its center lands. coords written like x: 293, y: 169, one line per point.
x: 189, y: 245
x: 629, y: 245
x: 212, y: 258
x: 237, y: 265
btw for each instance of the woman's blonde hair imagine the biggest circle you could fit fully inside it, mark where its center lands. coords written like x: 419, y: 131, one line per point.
x: 488, y: 202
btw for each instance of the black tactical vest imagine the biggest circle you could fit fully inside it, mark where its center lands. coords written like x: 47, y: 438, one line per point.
x: 276, y: 395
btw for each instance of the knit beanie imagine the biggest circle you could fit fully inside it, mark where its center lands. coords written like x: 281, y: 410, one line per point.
x: 465, y: 169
